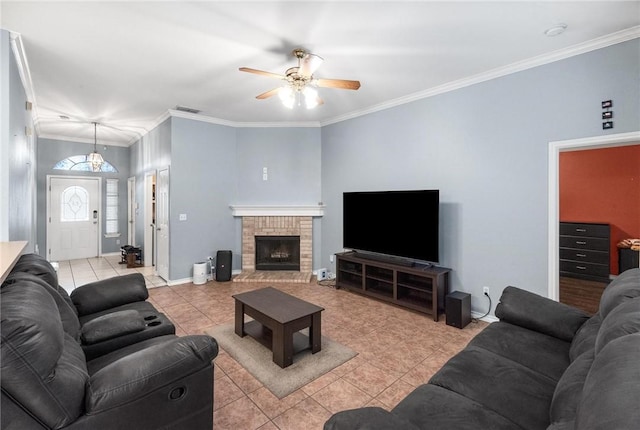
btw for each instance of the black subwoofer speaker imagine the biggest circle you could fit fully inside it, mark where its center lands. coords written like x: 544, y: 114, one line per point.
x: 458, y: 309
x: 223, y: 266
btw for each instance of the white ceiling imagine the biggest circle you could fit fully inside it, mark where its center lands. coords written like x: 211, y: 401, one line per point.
x: 125, y: 64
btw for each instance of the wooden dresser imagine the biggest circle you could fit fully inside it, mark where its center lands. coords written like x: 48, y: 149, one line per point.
x: 584, y: 251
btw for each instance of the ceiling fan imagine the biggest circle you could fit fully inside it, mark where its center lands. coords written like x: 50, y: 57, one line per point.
x: 300, y: 83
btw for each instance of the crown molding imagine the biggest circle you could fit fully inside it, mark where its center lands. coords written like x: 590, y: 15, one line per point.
x: 81, y: 140
x: 598, y: 43
x: 25, y: 75
x: 561, y: 54
x: 237, y: 124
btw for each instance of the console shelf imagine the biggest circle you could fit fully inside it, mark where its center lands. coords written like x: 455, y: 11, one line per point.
x: 420, y: 289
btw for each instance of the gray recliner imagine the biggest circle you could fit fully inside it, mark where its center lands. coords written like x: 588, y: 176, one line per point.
x: 48, y: 382
x: 103, y: 315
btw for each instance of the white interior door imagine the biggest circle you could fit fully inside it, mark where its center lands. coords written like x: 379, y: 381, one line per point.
x: 74, y: 218
x: 162, y: 224
x: 149, y: 220
x: 131, y: 213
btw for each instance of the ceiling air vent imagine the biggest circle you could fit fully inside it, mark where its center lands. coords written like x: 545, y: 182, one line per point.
x: 187, y: 109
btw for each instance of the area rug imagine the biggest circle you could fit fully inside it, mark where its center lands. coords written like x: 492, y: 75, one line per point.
x: 258, y: 360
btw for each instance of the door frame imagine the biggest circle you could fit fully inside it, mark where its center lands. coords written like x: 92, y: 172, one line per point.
x: 48, y: 203
x: 555, y: 148
x: 167, y: 229
x: 132, y: 205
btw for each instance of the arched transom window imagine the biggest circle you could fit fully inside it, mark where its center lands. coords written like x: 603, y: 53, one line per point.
x: 80, y: 163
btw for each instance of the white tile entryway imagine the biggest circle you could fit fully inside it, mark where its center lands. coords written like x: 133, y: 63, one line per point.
x: 74, y: 273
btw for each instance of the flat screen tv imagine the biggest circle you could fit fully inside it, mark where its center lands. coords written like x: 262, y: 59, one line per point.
x: 401, y: 224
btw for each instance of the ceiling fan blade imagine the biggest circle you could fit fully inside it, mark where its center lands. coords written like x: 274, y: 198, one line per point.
x: 261, y: 72
x: 338, y: 83
x: 309, y: 64
x: 268, y: 94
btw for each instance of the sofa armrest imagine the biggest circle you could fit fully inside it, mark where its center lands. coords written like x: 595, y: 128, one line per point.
x: 112, y: 325
x: 143, y: 372
x: 367, y: 418
x: 532, y: 311
x: 109, y: 293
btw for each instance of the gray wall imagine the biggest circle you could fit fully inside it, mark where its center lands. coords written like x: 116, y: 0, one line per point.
x: 291, y: 156
x: 51, y: 151
x: 147, y: 155
x: 17, y: 177
x: 485, y: 147
x: 202, y: 185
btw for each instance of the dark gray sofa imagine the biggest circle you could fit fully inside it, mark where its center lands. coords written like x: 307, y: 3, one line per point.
x: 110, y: 314
x: 48, y: 382
x: 544, y: 365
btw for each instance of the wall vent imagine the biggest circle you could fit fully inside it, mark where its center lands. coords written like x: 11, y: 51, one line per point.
x: 187, y: 109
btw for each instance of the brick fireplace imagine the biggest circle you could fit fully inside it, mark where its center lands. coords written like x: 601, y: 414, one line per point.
x: 276, y: 221
x: 276, y: 226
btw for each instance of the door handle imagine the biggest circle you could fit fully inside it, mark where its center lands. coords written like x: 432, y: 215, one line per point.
x: 158, y: 229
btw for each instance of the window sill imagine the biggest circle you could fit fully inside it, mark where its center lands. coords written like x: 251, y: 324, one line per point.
x: 112, y: 235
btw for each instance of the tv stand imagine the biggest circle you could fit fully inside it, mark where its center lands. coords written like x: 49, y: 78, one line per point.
x: 419, y: 288
x: 385, y: 259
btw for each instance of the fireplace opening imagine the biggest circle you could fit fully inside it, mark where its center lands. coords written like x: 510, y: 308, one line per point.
x: 278, y: 253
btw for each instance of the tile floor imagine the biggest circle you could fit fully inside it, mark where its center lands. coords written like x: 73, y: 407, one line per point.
x: 398, y: 349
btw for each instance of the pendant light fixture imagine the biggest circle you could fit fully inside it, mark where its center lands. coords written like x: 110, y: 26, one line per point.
x: 95, y: 159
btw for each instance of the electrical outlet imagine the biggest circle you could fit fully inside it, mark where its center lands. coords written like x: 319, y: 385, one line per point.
x: 331, y: 258
x: 321, y: 274
x: 485, y: 291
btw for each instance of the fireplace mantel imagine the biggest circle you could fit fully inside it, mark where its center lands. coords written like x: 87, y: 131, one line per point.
x: 266, y: 210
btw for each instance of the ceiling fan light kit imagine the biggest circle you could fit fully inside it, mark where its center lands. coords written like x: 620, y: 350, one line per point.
x: 300, y: 83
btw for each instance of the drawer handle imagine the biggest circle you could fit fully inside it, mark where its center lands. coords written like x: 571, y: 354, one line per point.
x: 580, y: 242
x: 581, y: 268
x: 581, y: 255
x: 581, y: 230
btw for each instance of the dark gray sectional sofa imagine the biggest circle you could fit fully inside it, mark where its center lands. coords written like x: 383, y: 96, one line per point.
x: 103, y: 358
x: 544, y: 365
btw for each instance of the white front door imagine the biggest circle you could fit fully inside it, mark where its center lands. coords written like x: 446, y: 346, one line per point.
x: 73, y: 212
x: 162, y: 223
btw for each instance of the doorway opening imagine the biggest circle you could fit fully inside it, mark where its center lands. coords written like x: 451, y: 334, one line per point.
x: 555, y: 148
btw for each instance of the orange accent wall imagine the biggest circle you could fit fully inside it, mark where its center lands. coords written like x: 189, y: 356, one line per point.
x: 603, y: 186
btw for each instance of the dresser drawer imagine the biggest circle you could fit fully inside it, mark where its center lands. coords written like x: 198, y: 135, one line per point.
x: 586, y: 269
x: 594, y: 244
x: 580, y: 229
x: 586, y: 256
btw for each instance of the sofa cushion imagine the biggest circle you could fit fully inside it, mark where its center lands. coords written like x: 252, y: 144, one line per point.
x: 368, y: 418
x: 38, y: 266
x: 156, y: 324
x: 625, y: 287
x: 504, y: 386
x: 532, y: 311
x: 68, y: 314
x: 109, y: 293
x: 112, y: 325
x: 569, y: 389
x: 43, y: 368
x: 611, y: 390
x: 434, y: 407
x: 585, y: 338
x: 623, y: 320
x: 550, y: 356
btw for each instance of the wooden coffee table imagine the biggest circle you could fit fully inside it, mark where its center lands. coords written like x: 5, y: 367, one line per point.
x: 278, y: 317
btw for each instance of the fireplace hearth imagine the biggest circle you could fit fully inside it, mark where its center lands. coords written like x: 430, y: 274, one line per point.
x: 277, y: 252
